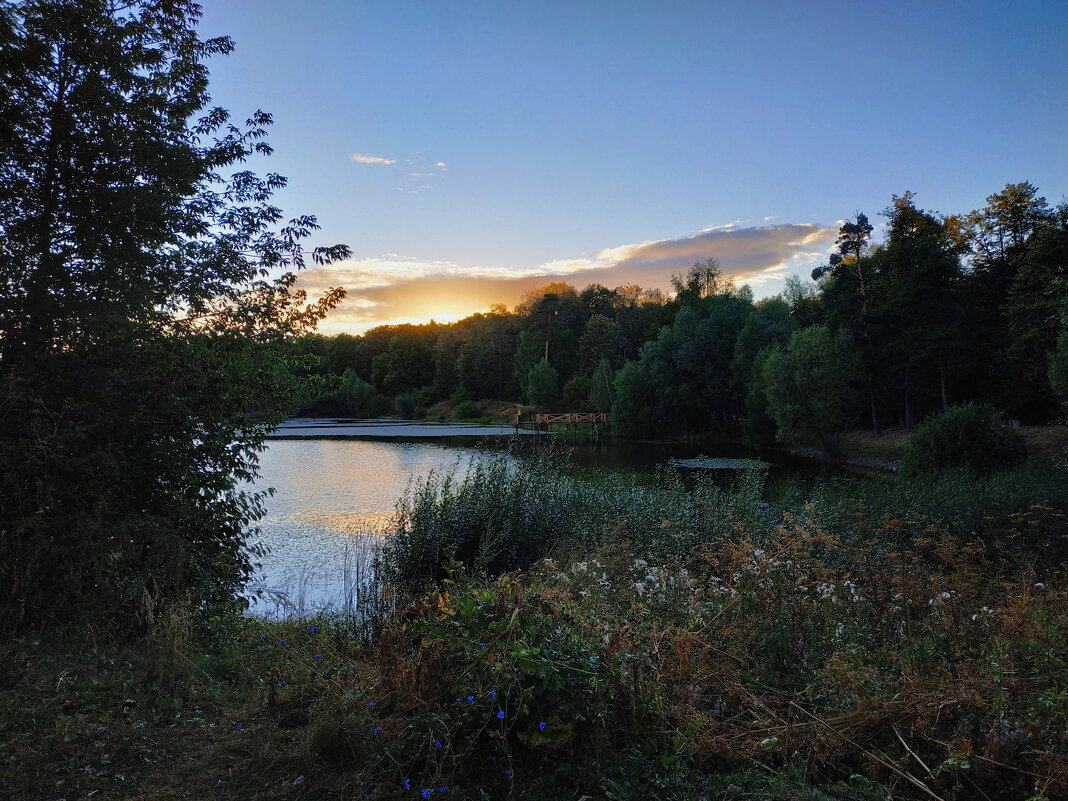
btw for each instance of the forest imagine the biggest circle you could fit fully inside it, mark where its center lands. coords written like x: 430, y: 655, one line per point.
x: 920, y: 313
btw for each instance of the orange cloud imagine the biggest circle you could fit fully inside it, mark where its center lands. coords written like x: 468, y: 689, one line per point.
x: 393, y: 289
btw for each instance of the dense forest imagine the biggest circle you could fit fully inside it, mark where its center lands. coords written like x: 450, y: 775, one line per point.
x: 939, y: 310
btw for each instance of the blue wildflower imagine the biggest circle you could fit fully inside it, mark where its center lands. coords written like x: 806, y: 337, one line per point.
x: 443, y: 790
x: 493, y: 693
x: 426, y: 794
x: 263, y: 636
x: 377, y: 729
x: 407, y: 784
x: 541, y: 726
x: 326, y: 672
x: 508, y: 773
x: 281, y: 642
x: 315, y: 629
x: 318, y: 656
x: 240, y: 727
x: 482, y: 645
x: 437, y: 743
x: 281, y: 684
x: 500, y: 714
x: 370, y: 703
x: 470, y: 698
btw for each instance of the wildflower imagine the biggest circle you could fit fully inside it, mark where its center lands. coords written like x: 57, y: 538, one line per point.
x: 437, y: 743
x: 353, y: 667
x: 541, y: 726
x: 281, y: 642
x: 263, y: 636
x: 377, y: 730
x: 493, y: 693
x: 443, y: 790
x: 281, y: 684
x: 500, y: 715
x: 326, y: 672
x: 470, y: 698
x: 482, y: 645
x: 315, y: 629
x: 370, y: 703
x: 508, y: 773
x: 426, y: 793
x: 407, y: 784
x: 240, y: 727
x: 260, y: 650
x: 318, y: 656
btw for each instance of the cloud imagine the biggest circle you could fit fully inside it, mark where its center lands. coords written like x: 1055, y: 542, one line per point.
x: 394, y: 288
x: 363, y: 158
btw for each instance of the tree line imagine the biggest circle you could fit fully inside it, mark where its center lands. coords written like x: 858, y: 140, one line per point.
x: 939, y: 310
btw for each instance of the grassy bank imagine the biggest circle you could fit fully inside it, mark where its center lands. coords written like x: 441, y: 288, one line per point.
x: 551, y: 637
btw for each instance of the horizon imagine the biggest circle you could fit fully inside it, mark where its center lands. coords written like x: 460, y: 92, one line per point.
x: 470, y: 152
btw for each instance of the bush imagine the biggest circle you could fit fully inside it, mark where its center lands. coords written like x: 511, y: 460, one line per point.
x: 972, y: 437
x: 465, y: 410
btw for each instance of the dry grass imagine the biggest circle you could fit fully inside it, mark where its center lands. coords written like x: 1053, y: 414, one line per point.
x: 1047, y: 443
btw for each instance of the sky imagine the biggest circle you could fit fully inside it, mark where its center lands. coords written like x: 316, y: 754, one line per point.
x: 468, y: 151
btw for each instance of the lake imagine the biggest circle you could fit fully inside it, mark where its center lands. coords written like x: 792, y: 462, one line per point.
x: 337, y: 483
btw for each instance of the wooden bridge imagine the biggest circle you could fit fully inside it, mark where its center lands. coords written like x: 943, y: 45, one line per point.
x: 544, y: 423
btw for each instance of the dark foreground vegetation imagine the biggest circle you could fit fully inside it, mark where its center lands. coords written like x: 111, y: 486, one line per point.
x: 533, y: 634
x: 872, y: 638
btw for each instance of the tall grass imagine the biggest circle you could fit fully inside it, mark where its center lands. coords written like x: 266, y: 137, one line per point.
x: 507, y: 512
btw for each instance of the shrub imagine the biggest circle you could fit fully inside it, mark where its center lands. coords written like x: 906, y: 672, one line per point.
x: 465, y: 410
x: 971, y: 437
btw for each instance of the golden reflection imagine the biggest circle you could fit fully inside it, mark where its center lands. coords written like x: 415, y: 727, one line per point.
x: 376, y: 522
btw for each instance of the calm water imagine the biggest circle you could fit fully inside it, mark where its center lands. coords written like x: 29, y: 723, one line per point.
x: 334, y: 496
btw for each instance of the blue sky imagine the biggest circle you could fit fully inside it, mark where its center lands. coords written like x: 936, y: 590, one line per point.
x: 468, y: 150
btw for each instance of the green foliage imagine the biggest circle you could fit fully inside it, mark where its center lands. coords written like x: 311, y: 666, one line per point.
x: 542, y: 386
x: 634, y: 407
x: 602, y: 339
x: 971, y: 437
x: 689, y: 364
x: 355, y: 396
x: 465, y: 410
x: 576, y: 394
x: 601, y: 394
x: 145, y: 354
x: 810, y: 387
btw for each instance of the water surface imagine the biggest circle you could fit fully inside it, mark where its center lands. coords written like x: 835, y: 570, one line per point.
x: 331, y: 503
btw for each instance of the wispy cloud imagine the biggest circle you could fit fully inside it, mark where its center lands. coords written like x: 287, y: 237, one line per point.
x: 364, y: 158
x: 393, y: 288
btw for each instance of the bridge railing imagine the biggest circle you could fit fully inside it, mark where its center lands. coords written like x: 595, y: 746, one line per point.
x: 572, y: 417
